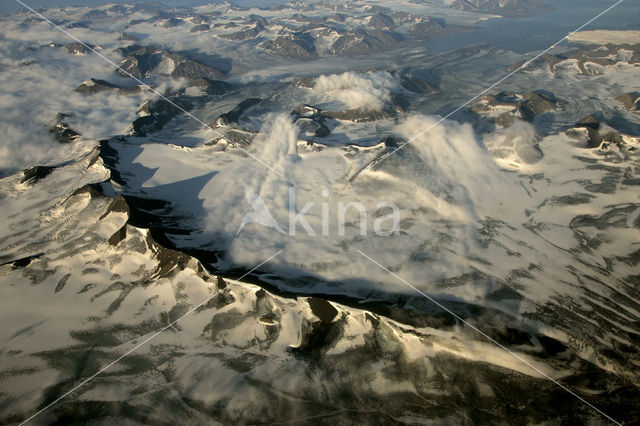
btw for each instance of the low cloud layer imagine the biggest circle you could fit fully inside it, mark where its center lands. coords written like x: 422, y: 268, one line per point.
x: 32, y: 95
x: 369, y: 91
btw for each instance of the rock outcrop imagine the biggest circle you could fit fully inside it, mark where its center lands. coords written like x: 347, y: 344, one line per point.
x: 147, y: 61
x: 233, y: 116
x: 631, y: 101
x: 295, y: 45
x: 361, y: 42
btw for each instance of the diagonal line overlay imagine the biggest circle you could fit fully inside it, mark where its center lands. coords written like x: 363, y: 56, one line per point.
x: 128, y: 74
x: 387, y: 155
x: 139, y: 345
x: 518, y: 357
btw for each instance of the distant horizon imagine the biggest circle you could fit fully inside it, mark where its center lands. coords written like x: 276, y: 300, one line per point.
x: 11, y: 6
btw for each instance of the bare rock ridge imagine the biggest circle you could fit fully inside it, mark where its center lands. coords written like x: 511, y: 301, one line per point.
x: 172, y: 23
x: 76, y: 48
x: 35, y: 173
x: 94, y: 85
x: 322, y: 35
x: 232, y: 137
x: 246, y: 33
x: 308, y: 115
x: 537, y: 102
x: 427, y: 28
x: 361, y: 115
x: 199, y: 28
x: 61, y: 130
x: 416, y: 84
x: 294, y: 45
x: 128, y: 37
x: 526, y: 106
x: 380, y: 21
x: 630, y: 101
x: 360, y: 42
x: 147, y: 61
x: 154, y: 115
x: 598, y: 131
x: 206, y: 85
x: 210, y: 87
x: 234, y: 115
x: 310, y: 120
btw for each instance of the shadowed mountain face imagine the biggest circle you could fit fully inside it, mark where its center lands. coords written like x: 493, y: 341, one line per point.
x: 124, y: 282
x: 146, y: 61
x: 304, y: 214
x: 296, y: 45
x: 358, y: 42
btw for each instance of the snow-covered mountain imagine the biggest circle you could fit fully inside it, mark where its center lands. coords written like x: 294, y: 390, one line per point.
x: 149, y: 169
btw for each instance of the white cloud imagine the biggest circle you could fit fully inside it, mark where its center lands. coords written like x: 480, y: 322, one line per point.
x: 369, y: 91
x: 31, y: 96
x: 457, y: 173
x: 449, y: 184
x: 514, y: 145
